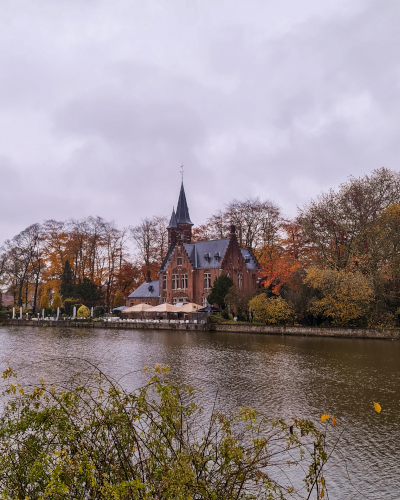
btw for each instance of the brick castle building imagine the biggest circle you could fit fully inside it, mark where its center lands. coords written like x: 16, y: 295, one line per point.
x: 190, y: 268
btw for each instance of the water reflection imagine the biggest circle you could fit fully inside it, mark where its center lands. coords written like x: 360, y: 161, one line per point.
x: 283, y: 376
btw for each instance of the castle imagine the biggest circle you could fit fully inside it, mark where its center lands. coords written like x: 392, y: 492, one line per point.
x: 190, y: 268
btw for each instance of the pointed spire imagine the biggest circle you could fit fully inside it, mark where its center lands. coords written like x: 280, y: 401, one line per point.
x: 172, y: 222
x: 182, y: 211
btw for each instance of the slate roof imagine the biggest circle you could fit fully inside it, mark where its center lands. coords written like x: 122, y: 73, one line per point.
x: 197, y: 253
x: 145, y: 292
x: 182, y: 211
x: 172, y: 222
x: 252, y: 265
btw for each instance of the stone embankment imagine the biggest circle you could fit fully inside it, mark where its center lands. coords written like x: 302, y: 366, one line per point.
x: 299, y: 331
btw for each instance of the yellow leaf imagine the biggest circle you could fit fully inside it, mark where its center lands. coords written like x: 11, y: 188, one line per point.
x: 334, y: 421
x: 377, y: 407
x: 324, y: 417
x: 322, y: 494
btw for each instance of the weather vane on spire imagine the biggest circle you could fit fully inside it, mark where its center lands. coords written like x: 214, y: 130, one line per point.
x: 182, y: 171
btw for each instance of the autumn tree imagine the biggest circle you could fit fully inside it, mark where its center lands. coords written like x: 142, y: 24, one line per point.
x: 342, y: 224
x: 56, y: 301
x: 257, y: 223
x: 343, y: 296
x: 44, y: 301
x: 151, y: 240
x: 119, y: 299
x: 238, y: 299
x: 271, y: 310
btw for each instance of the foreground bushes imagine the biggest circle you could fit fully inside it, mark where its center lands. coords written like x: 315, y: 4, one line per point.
x: 93, y: 440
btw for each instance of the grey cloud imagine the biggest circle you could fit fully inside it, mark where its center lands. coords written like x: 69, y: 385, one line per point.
x: 122, y: 96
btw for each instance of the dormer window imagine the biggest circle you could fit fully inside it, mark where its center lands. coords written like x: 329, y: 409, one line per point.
x: 151, y: 288
x: 217, y: 256
x: 179, y: 261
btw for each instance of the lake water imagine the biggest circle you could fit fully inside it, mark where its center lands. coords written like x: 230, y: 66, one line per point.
x: 283, y: 376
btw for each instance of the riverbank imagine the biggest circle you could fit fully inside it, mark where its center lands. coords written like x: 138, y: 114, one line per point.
x: 299, y: 331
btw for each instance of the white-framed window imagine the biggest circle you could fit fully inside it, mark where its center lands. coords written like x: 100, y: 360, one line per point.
x: 184, y: 280
x: 240, y: 280
x: 179, y: 261
x: 204, y: 302
x: 164, y: 282
x: 175, y: 281
x: 207, y: 281
x: 180, y: 300
x: 165, y: 300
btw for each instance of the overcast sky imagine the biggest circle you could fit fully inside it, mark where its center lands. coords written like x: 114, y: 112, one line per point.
x: 102, y: 101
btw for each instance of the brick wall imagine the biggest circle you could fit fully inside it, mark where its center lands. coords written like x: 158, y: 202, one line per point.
x: 179, y: 264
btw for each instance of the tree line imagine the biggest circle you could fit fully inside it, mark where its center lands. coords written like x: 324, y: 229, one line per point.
x: 89, y: 259
x: 336, y: 262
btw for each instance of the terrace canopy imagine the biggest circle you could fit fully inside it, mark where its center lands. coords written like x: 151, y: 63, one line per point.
x: 190, y: 307
x: 164, y: 308
x: 137, y: 308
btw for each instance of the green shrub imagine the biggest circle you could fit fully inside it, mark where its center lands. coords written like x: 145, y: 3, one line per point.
x: 226, y: 315
x: 98, y: 311
x: 215, y: 318
x: 91, y: 438
x: 68, y: 306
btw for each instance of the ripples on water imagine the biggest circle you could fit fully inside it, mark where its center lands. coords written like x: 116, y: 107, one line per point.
x: 283, y: 376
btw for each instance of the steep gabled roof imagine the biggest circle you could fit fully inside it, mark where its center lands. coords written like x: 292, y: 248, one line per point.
x: 146, y: 291
x: 206, y: 254
x: 251, y: 262
x: 182, y: 211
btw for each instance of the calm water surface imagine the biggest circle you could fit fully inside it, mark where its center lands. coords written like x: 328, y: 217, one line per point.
x: 283, y: 376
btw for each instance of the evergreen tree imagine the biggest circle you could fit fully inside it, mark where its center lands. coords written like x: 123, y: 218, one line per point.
x: 67, y: 281
x: 88, y: 291
x: 219, y: 290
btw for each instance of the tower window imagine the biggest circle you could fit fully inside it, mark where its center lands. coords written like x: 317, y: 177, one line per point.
x: 164, y: 282
x: 240, y: 280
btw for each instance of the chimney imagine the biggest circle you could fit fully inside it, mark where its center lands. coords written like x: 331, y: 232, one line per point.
x: 233, y: 231
x: 148, y: 276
